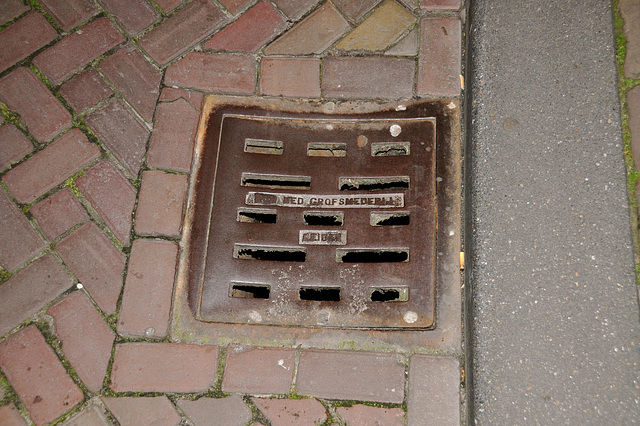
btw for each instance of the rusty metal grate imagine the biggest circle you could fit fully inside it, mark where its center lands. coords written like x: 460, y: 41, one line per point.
x: 316, y: 221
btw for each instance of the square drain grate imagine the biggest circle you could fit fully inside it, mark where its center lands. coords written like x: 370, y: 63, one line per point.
x: 315, y: 220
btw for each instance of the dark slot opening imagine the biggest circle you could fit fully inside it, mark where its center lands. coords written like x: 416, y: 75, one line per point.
x: 262, y: 146
x: 323, y: 219
x: 248, y: 291
x: 372, y: 256
x: 318, y: 294
x: 385, y: 295
x: 373, y: 184
x: 389, y: 219
x: 277, y: 254
x: 276, y: 181
x: 257, y: 216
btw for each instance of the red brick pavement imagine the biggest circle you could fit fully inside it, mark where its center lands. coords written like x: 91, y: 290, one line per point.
x: 100, y: 106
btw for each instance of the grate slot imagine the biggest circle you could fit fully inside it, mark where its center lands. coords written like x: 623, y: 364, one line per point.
x: 373, y: 183
x: 275, y: 181
x: 247, y: 215
x: 390, y: 149
x: 389, y: 294
x: 323, y: 218
x: 270, y: 253
x: 249, y: 291
x: 263, y: 146
x: 376, y: 255
x: 320, y: 294
x: 326, y: 149
x: 389, y: 219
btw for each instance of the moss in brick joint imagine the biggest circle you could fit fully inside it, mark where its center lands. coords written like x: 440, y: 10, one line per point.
x: 4, y: 275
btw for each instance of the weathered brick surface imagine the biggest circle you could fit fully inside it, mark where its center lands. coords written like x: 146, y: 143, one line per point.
x: 135, y: 78
x: 439, y: 63
x: 78, y: 49
x: 26, y: 94
x: 112, y: 196
x: 408, y: 46
x: 146, y: 302
x: 355, y: 9
x: 123, y: 133
x: 163, y: 367
x: 294, y: 9
x: 256, y: 370
x: 161, y: 204
x: 24, y: 37
x: 174, y: 135
x: 30, y: 290
x: 229, y: 411
x: 290, y: 77
x: 633, y: 103
x: 195, y: 99
x: 440, y: 4
x: 368, y: 77
x: 224, y: 73
x: 86, y: 338
x: 96, y: 262
x: 85, y: 90
x: 58, y: 213
x: 21, y: 242
x: 10, y: 9
x: 434, y: 390
x: 132, y: 15
x: 235, y: 6
x: 69, y: 13
x: 89, y: 416
x: 151, y: 411
x: 630, y: 11
x: 364, y: 376
x: 37, y: 376
x: 251, y: 31
x: 51, y: 166
x: 13, y: 145
x: 284, y: 412
x: 182, y: 30
x: 367, y: 415
x: 10, y: 416
x: 168, y: 5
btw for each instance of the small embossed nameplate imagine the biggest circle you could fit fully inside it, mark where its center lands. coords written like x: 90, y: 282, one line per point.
x: 323, y: 238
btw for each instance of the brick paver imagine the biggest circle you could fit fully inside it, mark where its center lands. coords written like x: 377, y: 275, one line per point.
x: 362, y: 376
x: 146, y: 302
x: 37, y: 376
x: 96, y: 262
x: 69, y: 13
x: 14, y: 145
x: 440, y: 65
x: 367, y: 415
x: 151, y: 411
x: 85, y: 90
x: 10, y: 9
x: 112, y: 196
x: 30, y: 290
x: 630, y: 11
x: 51, y: 166
x: 355, y: 9
x: 294, y: 9
x: 235, y: 6
x: 132, y: 15
x: 633, y: 103
x: 163, y: 367
x: 290, y: 77
x: 10, y: 416
x: 170, y: 94
x: 23, y: 37
x: 168, y: 5
x: 440, y: 4
x: 408, y: 46
x: 284, y: 412
x: 26, y: 94
x: 161, y: 204
x: 229, y: 411
x: 17, y: 246
x: 434, y: 390
x: 58, y: 213
x: 258, y: 370
x: 89, y: 416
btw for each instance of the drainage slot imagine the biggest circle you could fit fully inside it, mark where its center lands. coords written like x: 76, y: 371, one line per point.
x: 320, y: 294
x: 249, y: 291
x: 389, y: 294
x: 247, y: 215
x: 389, y: 219
x: 326, y: 149
x: 263, y: 146
x: 344, y: 255
x: 323, y: 218
x: 373, y: 183
x: 276, y: 181
x: 273, y: 253
x: 390, y: 149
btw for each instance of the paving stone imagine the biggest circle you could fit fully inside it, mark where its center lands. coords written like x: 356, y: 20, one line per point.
x: 290, y: 77
x: 251, y: 31
x: 294, y: 9
x: 284, y: 412
x: 163, y: 367
x: 28, y: 291
x: 366, y: 415
x: 355, y: 9
x: 112, y: 196
x: 174, y: 136
x: 630, y: 11
x: 408, y: 46
x: 412, y: 4
x: 85, y: 90
x: 439, y: 63
x: 13, y: 145
x: 10, y: 9
x: 368, y: 77
x: 256, y: 370
x: 362, y: 376
x: 229, y: 411
x: 123, y: 133
x: 153, y: 411
x: 132, y: 15
x: 24, y: 37
x: 168, y: 5
x: 58, y: 213
x: 51, y: 166
x: 37, y: 376
x: 218, y: 72
x: 26, y: 94
x: 78, y: 49
x: 10, y: 416
x: 440, y: 4
x: 235, y: 6
x: 434, y: 390
x: 69, y: 13
x: 169, y: 94
x: 86, y: 338
x: 146, y: 302
x: 22, y: 242
x: 161, y: 204
x: 96, y: 262
x: 633, y: 103
x: 186, y: 27
x: 314, y: 34
x: 135, y: 78
x: 89, y: 416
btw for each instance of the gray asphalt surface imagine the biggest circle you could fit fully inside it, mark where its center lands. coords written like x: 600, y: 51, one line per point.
x: 554, y: 312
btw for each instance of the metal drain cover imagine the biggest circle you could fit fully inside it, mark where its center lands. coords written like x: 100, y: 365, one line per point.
x: 315, y: 220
